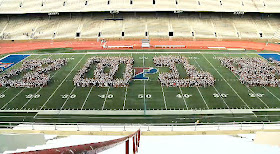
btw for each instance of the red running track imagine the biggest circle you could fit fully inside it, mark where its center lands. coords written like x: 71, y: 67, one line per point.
x: 12, y: 47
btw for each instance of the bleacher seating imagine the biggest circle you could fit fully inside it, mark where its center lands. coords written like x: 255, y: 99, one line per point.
x: 45, y: 6
x: 139, y: 26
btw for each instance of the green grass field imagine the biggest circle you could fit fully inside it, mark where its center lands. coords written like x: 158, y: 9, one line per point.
x: 61, y: 95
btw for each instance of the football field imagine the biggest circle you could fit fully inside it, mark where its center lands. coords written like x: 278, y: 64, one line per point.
x: 142, y: 99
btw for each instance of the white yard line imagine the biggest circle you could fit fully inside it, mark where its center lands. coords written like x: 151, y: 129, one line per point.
x: 105, y: 98
x: 144, y: 91
x: 5, y: 90
x: 202, y: 97
x: 183, y: 98
x: 13, y: 98
x: 182, y: 91
x: 272, y: 93
x: 250, y: 90
x: 164, y: 100
x: 86, y: 97
x: 61, y: 83
x: 269, y: 90
x: 125, y: 98
x: 213, y: 86
x: 21, y: 90
x: 38, y: 90
x: 226, y: 82
x: 221, y: 97
x: 67, y: 98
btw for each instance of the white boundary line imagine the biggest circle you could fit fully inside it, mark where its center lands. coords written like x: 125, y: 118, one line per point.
x: 164, y: 100
x: 61, y: 83
x: 226, y: 82
x: 19, y: 61
x: 105, y: 98
x: 87, y: 97
x: 249, y: 89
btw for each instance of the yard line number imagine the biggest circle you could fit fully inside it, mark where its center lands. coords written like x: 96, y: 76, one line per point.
x: 184, y: 95
x: 253, y: 95
x: 222, y: 95
x: 29, y: 96
x: 65, y: 96
x: 141, y: 96
x: 2, y: 95
x: 109, y: 96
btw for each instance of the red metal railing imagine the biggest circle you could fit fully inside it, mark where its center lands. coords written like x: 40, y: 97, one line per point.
x: 93, y: 148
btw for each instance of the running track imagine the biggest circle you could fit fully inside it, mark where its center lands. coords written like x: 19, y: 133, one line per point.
x: 12, y: 47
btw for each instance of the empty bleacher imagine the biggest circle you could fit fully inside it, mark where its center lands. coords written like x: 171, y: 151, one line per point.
x: 131, y: 26
x: 45, y: 6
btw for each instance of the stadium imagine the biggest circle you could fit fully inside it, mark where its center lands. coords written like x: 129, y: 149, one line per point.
x: 139, y: 64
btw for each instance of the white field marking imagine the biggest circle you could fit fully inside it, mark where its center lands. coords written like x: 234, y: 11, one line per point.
x: 20, y: 91
x: 13, y: 98
x: 214, y: 87
x: 200, y: 91
x: 105, y: 98
x: 4, y: 91
x: 4, y: 57
x: 202, y: 98
x: 38, y: 89
x: 124, y: 98
x: 181, y: 90
x: 269, y: 90
x: 67, y: 98
x: 86, y: 97
x: 222, y: 98
x: 61, y: 83
x: 10, y: 68
x: 183, y: 98
x: 163, y: 98
x: 227, y: 83
x: 251, y: 91
x: 272, y: 94
x: 144, y: 90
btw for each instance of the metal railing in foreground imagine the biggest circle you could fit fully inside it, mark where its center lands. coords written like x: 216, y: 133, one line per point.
x: 94, y: 147
x: 144, y: 127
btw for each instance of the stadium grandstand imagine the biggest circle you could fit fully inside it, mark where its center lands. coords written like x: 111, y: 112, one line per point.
x: 131, y: 67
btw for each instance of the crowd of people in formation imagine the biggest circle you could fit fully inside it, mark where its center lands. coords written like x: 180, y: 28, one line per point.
x: 36, y: 73
x: 105, y: 79
x: 171, y: 79
x: 253, y: 71
x: 274, y: 62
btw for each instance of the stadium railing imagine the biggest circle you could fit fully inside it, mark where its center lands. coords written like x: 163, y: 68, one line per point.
x: 143, y: 127
x: 94, y: 147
